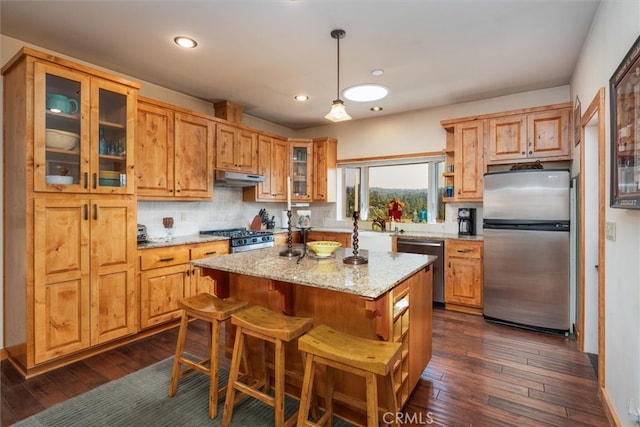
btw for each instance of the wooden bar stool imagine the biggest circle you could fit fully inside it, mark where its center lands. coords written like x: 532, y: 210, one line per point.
x: 360, y: 356
x: 268, y: 326
x: 214, y: 311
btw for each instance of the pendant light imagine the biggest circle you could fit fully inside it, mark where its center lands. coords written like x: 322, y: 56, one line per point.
x: 338, y: 112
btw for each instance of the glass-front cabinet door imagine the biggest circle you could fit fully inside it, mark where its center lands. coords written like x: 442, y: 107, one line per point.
x: 82, y: 133
x: 301, y: 162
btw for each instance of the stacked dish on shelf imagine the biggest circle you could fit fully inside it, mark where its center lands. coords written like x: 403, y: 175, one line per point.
x: 55, y: 138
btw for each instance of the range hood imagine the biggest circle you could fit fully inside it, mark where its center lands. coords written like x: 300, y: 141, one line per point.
x: 237, y: 179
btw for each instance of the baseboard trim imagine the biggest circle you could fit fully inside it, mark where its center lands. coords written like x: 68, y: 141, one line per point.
x: 608, y: 409
x: 3, y: 354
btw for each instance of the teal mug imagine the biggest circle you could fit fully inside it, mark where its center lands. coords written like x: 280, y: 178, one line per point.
x: 61, y: 104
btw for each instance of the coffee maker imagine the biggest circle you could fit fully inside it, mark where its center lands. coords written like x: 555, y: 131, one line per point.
x: 466, y: 221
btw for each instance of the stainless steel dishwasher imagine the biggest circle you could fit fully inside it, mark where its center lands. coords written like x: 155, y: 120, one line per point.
x: 428, y: 247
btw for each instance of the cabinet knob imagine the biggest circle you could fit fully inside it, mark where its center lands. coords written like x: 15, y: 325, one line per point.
x: 523, y: 153
x: 530, y: 152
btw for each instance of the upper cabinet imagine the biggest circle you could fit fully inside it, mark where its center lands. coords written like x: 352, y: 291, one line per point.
x: 536, y: 135
x: 83, y: 134
x: 301, y: 155
x: 174, y: 153
x: 236, y: 149
x: 465, y: 161
x: 324, y: 169
x: 519, y: 136
x: 273, y: 155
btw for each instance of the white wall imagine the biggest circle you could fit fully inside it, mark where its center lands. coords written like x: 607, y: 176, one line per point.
x: 615, y: 28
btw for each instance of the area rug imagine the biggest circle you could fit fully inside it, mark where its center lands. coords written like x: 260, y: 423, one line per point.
x: 140, y: 399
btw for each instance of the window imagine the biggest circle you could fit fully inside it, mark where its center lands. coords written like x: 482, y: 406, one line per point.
x: 413, y: 183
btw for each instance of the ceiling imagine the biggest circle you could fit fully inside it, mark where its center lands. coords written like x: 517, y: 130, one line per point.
x: 261, y: 53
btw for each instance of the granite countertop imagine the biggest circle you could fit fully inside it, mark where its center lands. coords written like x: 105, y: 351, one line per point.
x: 384, y: 270
x: 180, y: 240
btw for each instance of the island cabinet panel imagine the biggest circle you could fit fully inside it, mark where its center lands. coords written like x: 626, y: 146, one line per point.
x: 402, y: 314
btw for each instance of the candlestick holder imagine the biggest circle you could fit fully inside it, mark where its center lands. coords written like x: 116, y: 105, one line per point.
x: 355, y: 259
x: 289, y: 252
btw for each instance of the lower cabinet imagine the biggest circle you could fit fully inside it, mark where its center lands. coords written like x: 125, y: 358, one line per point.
x: 84, y: 273
x: 166, y: 277
x: 463, y: 277
x: 343, y: 238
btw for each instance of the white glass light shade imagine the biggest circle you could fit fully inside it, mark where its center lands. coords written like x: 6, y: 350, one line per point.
x: 338, y: 112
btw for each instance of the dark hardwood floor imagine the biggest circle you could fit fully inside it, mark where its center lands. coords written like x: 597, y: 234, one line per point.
x: 481, y: 374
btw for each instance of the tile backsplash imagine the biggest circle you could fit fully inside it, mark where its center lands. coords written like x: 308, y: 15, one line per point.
x: 227, y: 210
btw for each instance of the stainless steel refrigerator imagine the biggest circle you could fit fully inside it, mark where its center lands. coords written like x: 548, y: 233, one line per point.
x: 526, y: 248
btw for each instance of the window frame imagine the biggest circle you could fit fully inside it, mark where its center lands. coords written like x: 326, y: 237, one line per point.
x: 346, y: 167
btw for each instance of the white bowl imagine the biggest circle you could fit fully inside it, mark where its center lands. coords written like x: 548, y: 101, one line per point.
x: 55, y: 138
x: 59, y: 179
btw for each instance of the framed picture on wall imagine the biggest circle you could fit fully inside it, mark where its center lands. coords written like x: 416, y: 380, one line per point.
x: 624, y: 87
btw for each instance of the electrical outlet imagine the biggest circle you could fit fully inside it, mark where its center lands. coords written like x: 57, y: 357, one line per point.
x: 183, y: 216
x: 610, y: 231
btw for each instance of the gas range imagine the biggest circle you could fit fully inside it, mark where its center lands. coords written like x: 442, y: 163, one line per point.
x: 241, y: 239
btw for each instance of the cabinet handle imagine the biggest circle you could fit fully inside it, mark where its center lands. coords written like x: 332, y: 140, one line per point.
x: 188, y: 272
x: 211, y: 253
x: 449, y: 264
x: 95, y: 211
x: 86, y: 180
x: 464, y: 251
x: 166, y: 259
x: 427, y: 268
x: 95, y: 180
x: 193, y: 271
x: 86, y: 211
x: 523, y: 153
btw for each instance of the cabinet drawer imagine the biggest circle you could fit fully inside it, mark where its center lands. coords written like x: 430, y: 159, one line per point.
x: 463, y: 249
x: 206, y: 250
x: 163, y: 257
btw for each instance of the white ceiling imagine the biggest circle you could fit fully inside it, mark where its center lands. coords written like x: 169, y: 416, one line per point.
x: 260, y: 53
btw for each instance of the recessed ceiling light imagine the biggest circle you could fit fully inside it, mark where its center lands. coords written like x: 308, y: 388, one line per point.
x: 365, y: 92
x: 376, y: 109
x: 377, y: 72
x: 301, y: 98
x: 186, y: 42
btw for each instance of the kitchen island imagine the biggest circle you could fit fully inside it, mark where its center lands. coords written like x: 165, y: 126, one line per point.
x: 389, y: 299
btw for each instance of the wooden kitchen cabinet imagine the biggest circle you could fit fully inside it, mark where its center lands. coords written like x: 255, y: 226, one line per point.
x: 343, y: 238
x: 99, y: 112
x: 200, y: 283
x: 166, y: 277
x: 69, y: 248
x: 536, y: 135
x: 174, y: 153
x: 301, y: 161
x: 236, y: 149
x: 84, y: 276
x: 273, y: 155
x: 325, y: 151
x: 463, y: 276
x: 469, y: 165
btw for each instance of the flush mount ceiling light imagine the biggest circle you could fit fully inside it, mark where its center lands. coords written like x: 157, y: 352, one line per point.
x: 186, y: 42
x: 301, y: 98
x: 338, y: 112
x: 365, y: 92
x: 376, y: 109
